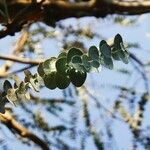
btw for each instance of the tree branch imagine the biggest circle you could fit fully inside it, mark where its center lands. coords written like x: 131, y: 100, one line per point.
x: 21, y: 60
x: 8, y: 120
x: 130, y: 7
x: 98, y: 8
x: 74, y: 6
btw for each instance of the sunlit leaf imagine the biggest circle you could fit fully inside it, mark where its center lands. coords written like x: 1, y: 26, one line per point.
x: 49, y: 65
x: 17, y: 80
x: 27, y: 73
x: 76, y: 63
x: 78, y: 67
x: 61, y: 65
x: 86, y: 62
x: 22, y: 92
x: 11, y: 96
x: 35, y: 83
x: 25, y: 96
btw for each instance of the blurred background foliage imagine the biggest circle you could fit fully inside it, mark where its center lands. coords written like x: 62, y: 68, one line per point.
x: 110, y: 111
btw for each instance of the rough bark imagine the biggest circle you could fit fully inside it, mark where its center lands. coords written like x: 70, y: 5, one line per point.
x: 60, y: 9
x: 21, y: 12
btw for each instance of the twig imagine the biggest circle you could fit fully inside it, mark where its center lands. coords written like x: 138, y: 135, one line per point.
x: 136, y: 59
x: 142, y: 72
x: 21, y: 60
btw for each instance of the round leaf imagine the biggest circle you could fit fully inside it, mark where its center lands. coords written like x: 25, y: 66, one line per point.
x: 108, y: 63
x: 86, y: 62
x: 62, y: 81
x: 117, y: 42
x: 7, y: 85
x: 115, y: 54
x: 78, y: 67
x: 76, y: 63
x: 95, y: 64
x: 61, y: 65
x: 101, y: 43
x: 123, y: 56
x: 49, y: 66
x: 11, y: 96
x: 93, y: 53
x: 62, y: 54
x: 50, y: 80
x: 118, y: 39
x: 40, y: 70
x: 76, y: 77
x: 106, y: 50
x: 76, y: 59
x: 72, y: 52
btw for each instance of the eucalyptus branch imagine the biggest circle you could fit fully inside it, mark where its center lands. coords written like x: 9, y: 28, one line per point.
x: 70, y: 66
